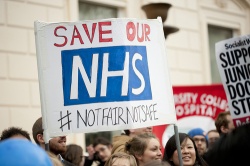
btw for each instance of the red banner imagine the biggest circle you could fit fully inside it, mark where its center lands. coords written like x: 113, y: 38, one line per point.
x: 196, y: 106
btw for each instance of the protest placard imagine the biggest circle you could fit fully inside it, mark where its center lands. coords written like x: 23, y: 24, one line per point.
x: 196, y: 106
x: 103, y: 75
x: 233, y: 60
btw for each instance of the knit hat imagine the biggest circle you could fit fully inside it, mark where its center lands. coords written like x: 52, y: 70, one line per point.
x: 197, y: 131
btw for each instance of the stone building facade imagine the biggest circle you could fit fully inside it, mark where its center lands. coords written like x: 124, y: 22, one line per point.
x: 189, y: 51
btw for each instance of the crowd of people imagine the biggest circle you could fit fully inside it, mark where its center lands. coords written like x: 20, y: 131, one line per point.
x: 225, y: 145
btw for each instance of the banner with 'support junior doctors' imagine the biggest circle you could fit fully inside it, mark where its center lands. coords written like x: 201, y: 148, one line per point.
x: 233, y: 60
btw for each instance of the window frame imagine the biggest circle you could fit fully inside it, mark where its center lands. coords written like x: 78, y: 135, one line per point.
x: 211, y: 15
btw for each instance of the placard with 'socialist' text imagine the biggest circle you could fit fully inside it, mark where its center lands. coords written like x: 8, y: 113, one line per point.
x: 233, y: 60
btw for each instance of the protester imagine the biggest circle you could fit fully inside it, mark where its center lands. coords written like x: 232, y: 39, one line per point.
x: 232, y: 148
x: 14, y: 132
x: 212, y: 136
x: 74, y: 154
x: 144, y: 147
x: 102, y: 148
x: 119, y: 141
x: 200, y: 139
x: 21, y: 152
x: 189, y: 152
x: 224, y: 123
x: 121, y: 159
x: 91, y: 155
x: 57, y: 145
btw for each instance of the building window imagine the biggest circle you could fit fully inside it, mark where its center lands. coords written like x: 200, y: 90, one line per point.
x: 216, y: 34
x: 88, y: 11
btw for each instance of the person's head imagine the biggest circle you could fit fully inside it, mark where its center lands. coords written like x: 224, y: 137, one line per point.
x: 224, y: 123
x: 103, y: 148
x: 212, y: 136
x: 37, y: 131
x: 144, y: 147
x: 22, y: 152
x: 121, y: 158
x: 231, y: 148
x: 200, y: 139
x: 57, y: 145
x: 119, y: 143
x: 190, y: 155
x: 134, y: 132
x: 14, y: 132
x: 74, y: 154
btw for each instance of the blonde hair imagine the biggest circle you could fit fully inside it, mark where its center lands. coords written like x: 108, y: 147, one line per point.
x: 122, y: 155
x: 54, y: 159
x: 138, y: 144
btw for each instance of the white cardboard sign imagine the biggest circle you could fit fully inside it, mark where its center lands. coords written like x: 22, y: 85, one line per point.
x: 233, y: 60
x: 103, y: 75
